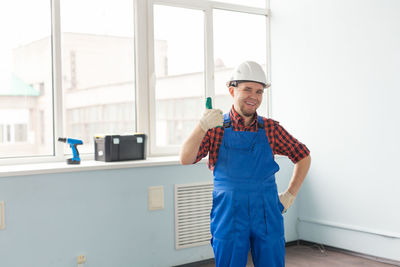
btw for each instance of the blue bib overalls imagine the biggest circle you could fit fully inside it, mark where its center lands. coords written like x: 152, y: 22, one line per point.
x: 246, y: 212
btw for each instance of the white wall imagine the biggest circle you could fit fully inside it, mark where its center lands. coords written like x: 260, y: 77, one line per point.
x: 335, y: 77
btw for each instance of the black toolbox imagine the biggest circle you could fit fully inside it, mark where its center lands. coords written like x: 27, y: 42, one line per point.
x: 120, y: 147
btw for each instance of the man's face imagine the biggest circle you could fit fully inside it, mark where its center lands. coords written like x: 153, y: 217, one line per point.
x: 247, y: 97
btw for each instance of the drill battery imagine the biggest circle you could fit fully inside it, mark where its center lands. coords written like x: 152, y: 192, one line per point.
x: 120, y: 147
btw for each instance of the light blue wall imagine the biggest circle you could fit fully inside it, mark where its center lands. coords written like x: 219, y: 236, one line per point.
x: 52, y: 218
x: 335, y: 86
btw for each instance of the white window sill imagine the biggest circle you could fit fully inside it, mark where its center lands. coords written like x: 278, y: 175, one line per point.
x: 86, y: 165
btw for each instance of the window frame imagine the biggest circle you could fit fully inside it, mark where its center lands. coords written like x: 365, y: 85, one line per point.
x: 207, y: 7
x: 144, y: 67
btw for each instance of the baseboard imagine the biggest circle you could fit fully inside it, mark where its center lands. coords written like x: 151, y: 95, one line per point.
x: 292, y: 243
x: 375, y: 244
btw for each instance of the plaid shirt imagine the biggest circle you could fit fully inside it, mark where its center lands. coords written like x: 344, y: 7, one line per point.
x: 281, y: 142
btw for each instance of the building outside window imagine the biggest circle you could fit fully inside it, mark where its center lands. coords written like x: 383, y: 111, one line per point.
x: 25, y: 52
x: 98, y: 69
x: 193, y: 47
x: 180, y: 73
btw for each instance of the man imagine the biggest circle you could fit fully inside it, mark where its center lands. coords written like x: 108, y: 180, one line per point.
x: 247, y: 211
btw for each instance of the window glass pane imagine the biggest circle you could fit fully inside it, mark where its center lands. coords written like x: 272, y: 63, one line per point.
x: 252, y: 3
x: 233, y: 44
x: 26, y: 79
x: 97, y: 69
x: 179, y: 71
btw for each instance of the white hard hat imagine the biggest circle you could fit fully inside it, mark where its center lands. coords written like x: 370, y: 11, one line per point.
x: 248, y: 71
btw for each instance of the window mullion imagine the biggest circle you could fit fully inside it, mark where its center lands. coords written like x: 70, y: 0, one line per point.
x: 57, y: 82
x: 142, y: 50
x: 239, y: 8
x: 268, y: 62
x: 209, y: 54
x: 192, y: 4
x: 151, y: 78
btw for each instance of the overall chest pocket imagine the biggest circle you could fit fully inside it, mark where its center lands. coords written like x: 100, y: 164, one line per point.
x: 241, y: 162
x: 241, y: 159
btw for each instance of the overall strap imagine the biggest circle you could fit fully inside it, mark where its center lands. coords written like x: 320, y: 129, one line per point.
x: 260, y: 122
x: 227, y: 120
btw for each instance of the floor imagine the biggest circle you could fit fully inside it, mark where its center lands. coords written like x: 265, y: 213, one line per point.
x: 317, y: 256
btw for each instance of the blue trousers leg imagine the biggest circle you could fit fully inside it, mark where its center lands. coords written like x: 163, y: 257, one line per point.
x: 270, y: 252
x: 230, y: 253
x: 230, y: 229
x: 267, y: 239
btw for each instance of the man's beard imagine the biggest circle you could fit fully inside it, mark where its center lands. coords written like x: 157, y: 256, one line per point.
x: 246, y: 114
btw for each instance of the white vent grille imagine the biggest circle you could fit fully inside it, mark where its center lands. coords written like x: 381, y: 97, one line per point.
x: 192, y: 214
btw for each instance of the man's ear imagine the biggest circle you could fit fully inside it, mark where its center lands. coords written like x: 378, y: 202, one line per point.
x: 232, y: 91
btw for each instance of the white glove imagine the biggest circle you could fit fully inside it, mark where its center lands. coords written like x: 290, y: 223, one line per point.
x: 211, y: 118
x: 287, y: 199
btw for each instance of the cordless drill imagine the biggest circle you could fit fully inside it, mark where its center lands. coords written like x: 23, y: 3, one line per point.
x: 73, y: 144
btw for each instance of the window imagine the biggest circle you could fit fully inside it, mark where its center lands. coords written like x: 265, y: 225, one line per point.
x: 233, y: 44
x: 98, y: 70
x: 195, y: 48
x: 179, y: 71
x: 118, y: 67
x: 25, y: 79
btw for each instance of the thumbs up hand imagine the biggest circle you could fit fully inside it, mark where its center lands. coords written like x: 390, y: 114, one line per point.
x: 211, y: 118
